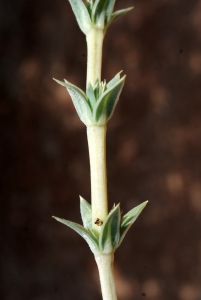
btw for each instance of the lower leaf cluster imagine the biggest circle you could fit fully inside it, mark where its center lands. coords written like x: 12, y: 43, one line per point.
x: 113, y: 229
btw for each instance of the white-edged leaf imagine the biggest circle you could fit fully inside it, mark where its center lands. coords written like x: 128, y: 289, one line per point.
x: 81, y: 14
x: 103, y: 87
x: 89, y: 6
x: 85, y: 209
x: 80, y: 101
x: 109, y: 9
x: 60, y: 82
x: 103, y: 9
x: 114, y: 80
x: 89, y: 238
x: 96, y: 89
x: 105, y: 106
x: 100, y: 23
x: 129, y: 218
x: 115, y: 15
x: 110, y: 231
x: 99, y: 10
x: 91, y: 95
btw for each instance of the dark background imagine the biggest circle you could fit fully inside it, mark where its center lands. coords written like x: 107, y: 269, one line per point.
x: 153, y: 151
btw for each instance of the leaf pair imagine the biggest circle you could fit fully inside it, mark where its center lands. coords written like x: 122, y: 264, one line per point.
x: 112, y: 232
x: 97, y: 13
x: 95, y: 107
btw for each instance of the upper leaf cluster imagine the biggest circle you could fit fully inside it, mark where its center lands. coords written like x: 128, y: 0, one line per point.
x: 113, y: 229
x: 98, y: 13
x: 96, y: 106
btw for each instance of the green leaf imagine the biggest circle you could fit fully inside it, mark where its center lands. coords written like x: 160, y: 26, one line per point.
x: 98, y: 10
x: 109, y: 9
x: 114, y: 80
x: 80, y: 101
x: 91, y: 95
x: 103, y: 87
x: 89, y: 238
x: 96, y: 89
x: 85, y: 209
x: 89, y: 6
x: 119, y: 13
x: 106, y: 104
x: 81, y: 14
x: 103, y: 9
x: 60, y: 82
x: 110, y: 231
x: 128, y: 219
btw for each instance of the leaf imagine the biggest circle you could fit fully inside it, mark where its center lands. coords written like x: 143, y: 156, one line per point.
x: 89, y: 6
x: 85, y: 209
x: 109, y: 9
x: 128, y: 219
x: 89, y: 238
x: 106, y: 104
x: 91, y: 95
x: 110, y: 231
x: 118, y: 14
x: 80, y: 101
x: 81, y: 14
x: 60, y: 82
x: 98, y: 10
x: 114, y: 80
x: 96, y: 89
x: 103, y: 87
x: 103, y: 8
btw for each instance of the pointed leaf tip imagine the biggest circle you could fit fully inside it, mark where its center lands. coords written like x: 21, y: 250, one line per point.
x: 89, y: 238
x: 80, y: 101
x: 59, y: 82
x: 114, y: 80
x: 115, y: 15
x: 129, y: 218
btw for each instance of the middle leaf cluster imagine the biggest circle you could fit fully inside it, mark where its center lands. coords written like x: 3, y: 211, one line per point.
x: 95, y: 107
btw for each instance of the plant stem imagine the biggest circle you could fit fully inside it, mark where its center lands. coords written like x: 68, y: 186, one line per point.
x: 94, y: 54
x: 97, y: 154
x: 105, y: 268
x: 96, y: 136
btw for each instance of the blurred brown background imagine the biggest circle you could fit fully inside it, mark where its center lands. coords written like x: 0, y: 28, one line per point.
x: 154, y: 151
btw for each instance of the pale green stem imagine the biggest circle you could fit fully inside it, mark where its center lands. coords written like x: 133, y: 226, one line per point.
x: 97, y: 154
x: 94, y: 54
x: 105, y: 268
